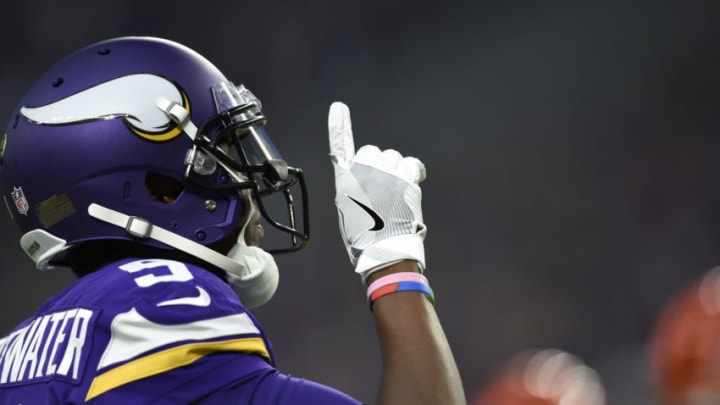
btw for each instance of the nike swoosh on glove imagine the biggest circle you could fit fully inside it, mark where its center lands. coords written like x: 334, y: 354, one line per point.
x: 378, y: 198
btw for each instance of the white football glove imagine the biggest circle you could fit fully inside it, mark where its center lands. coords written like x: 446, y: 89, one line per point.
x: 378, y: 199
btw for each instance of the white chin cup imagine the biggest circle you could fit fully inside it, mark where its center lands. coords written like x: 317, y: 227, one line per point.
x: 259, y: 276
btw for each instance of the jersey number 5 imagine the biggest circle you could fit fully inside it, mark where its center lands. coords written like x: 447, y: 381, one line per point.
x: 174, y: 271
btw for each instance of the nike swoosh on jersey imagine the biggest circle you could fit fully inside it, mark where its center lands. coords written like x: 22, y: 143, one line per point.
x: 202, y: 300
x: 379, y: 223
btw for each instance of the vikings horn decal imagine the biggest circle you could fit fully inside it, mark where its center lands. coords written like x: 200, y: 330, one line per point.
x: 131, y: 98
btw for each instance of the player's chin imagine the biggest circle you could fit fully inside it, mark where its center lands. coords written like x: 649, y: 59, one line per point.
x: 254, y: 234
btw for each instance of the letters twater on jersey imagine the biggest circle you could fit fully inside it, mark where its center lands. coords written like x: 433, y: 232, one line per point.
x: 51, y: 346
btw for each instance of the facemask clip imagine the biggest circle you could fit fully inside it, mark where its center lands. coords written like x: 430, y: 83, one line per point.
x: 202, y: 163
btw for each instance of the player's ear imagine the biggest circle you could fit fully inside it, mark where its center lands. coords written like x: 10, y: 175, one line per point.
x: 163, y: 188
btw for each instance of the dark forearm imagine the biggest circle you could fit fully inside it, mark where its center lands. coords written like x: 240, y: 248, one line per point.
x: 418, y: 365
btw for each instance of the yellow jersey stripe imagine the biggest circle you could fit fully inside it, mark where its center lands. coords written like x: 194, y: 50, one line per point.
x: 170, y: 359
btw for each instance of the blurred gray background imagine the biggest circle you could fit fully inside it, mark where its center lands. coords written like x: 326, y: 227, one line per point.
x: 571, y: 150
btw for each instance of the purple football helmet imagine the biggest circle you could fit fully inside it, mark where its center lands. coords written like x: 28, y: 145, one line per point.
x: 91, y: 134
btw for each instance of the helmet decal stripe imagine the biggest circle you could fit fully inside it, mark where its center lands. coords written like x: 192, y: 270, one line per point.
x: 131, y: 98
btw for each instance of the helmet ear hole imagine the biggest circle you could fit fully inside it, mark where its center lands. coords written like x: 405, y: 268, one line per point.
x: 163, y: 188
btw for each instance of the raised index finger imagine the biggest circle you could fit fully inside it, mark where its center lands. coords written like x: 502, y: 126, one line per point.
x: 342, y: 145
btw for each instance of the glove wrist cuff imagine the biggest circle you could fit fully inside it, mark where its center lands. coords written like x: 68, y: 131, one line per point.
x: 390, y: 251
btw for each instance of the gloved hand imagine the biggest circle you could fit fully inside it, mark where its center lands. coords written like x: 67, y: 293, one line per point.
x: 378, y: 198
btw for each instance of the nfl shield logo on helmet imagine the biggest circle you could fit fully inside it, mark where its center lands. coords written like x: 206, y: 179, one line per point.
x: 20, y: 201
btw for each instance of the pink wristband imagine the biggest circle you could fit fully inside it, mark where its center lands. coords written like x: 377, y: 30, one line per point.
x: 399, y: 282
x: 395, y: 278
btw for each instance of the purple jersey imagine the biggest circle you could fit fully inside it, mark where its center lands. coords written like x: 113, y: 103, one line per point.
x: 147, y: 331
